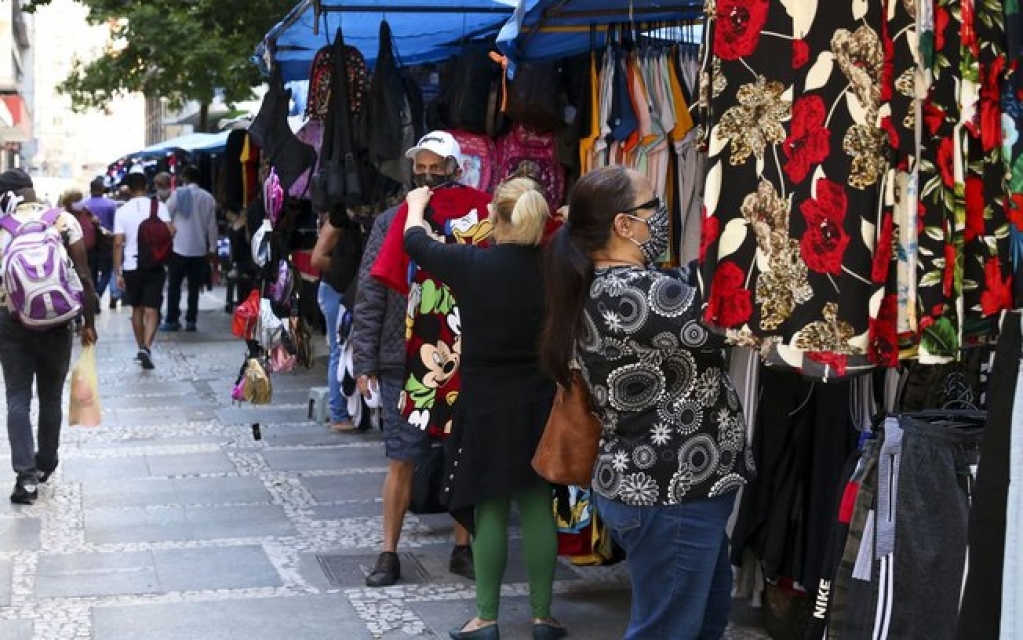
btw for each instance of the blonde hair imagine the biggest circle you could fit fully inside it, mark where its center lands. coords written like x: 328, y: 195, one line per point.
x: 520, y: 211
x: 69, y: 197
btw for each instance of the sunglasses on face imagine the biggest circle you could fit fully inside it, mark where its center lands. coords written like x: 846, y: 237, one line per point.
x: 653, y: 204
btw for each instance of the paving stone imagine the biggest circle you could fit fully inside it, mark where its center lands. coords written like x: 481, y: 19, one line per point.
x: 6, y: 575
x: 318, y: 617
x: 190, y: 464
x: 344, y: 510
x: 19, y: 534
x: 16, y: 629
x: 136, y: 525
x: 261, y: 414
x: 178, y: 491
x: 120, y: 468
x: 325, y: 458
x: 215, y: 568
x: 232, y: 521
x: 96, y: 574
x: 350, y: 486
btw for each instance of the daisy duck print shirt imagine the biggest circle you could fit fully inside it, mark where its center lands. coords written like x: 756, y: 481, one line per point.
x: 673, y: 426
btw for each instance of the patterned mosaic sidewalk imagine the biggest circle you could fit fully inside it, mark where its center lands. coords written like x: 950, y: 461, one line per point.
x: 170, y: 522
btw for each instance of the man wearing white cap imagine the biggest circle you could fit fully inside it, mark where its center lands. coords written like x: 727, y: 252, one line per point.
x: 423, y: 396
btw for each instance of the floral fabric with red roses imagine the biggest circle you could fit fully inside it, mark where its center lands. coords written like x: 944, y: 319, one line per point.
x: 861, y: 214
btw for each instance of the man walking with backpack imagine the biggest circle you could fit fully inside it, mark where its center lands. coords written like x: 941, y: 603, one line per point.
x: 143, y: 238
x: 193, y: 214
x: 44, y: 260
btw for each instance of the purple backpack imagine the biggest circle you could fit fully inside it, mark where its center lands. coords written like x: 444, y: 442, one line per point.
x: 43, y: 290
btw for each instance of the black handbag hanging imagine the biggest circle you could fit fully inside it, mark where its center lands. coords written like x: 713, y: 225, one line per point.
x: 270, y: 130
x: 337, y: 182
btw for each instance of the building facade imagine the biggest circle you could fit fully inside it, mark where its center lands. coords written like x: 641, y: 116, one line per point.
x: 68, y: 145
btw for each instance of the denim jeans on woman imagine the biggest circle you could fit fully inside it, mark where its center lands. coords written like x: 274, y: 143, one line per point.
x: 42, y: 357
x: 330, y: 304
x: 678, y: 561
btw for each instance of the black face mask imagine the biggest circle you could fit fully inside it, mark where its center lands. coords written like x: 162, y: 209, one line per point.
x: 431, y: 180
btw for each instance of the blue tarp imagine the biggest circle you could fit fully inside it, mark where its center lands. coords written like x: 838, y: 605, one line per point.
x: 550, y: 29
x: 424, y: 30
x: 205, y: 142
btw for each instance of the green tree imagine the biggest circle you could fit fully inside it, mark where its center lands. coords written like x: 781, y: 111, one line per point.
x: 179, y: 50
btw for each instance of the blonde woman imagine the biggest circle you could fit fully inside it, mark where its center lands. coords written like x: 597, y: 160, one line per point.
x: 504, y: 399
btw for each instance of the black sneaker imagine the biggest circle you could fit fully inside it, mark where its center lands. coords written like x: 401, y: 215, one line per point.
x: 461, y: 562
x: 25, y: 491
x: 190, y: 327
x: 146, y: 359
x: 387, y: 571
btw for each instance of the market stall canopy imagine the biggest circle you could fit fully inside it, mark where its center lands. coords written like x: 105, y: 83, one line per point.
x: 203, y: 142
x: 550, y: 29
x: 424, y: 30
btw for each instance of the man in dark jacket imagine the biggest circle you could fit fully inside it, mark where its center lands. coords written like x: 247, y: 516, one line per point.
x: 378, y: 339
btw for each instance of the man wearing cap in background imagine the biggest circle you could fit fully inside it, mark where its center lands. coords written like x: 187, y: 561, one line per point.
x: 103, y: 208
x: 39, y: 357
x: 457, y: 213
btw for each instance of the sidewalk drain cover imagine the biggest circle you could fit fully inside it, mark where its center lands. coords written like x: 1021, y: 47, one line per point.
x: 351, y: 571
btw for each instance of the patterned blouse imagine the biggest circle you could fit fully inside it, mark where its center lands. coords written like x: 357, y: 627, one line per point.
x: 673, y: 426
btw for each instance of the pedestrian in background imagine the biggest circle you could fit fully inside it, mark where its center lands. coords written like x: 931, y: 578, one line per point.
x: 72, y: 202
x: 40, y: 358
x: 505, y: 398
x: 103, y: 209
x: 193, y: 213
x: 143, y: 287
x: 163, y: 186
x: 337, y: 254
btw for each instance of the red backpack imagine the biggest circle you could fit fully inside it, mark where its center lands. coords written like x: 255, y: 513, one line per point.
x: 155, y: 239
x: 525, y: 152
x: 479, y: 153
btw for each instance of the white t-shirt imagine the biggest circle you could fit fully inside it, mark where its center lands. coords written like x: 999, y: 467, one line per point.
x: 66, y: 223
x: 126, y: 223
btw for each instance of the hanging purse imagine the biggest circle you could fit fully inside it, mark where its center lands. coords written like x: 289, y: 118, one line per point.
x: 568, y: 448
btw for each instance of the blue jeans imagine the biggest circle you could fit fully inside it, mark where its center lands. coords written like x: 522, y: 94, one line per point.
x: 678, y: 561
x: 42, y: 357
x: 330, y: 304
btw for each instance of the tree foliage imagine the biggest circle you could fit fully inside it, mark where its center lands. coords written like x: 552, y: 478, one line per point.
x: 179, y: 50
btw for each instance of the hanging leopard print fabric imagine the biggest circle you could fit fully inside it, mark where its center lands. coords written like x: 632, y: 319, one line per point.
x: 791, y: 100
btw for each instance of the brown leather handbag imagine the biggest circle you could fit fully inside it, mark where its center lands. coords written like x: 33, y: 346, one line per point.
x: 568, y: 448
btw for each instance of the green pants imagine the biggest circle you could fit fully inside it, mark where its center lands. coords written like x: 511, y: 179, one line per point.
x: 490, y: 550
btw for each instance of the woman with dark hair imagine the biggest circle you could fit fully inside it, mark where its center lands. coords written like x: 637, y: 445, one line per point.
x: 673, y: 449
x: 504, y: 400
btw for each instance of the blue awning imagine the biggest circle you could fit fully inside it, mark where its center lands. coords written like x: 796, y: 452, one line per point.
x: 424, y: 30
x: 204, y: 142
x: 551, y: 29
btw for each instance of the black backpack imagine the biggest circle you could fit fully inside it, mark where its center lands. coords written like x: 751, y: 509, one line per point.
x: 155, y: 239
x: 466, y: 85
